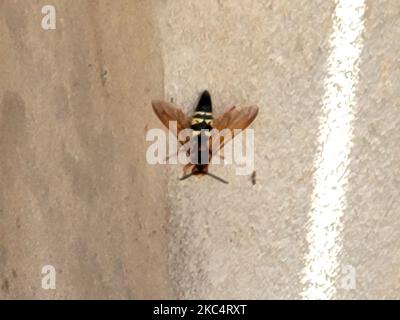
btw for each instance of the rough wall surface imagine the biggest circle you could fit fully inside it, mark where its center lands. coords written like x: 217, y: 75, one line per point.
x: 245, y: 241
x: 76, y: 192
x: 371, y: 223
x: 240, y: 240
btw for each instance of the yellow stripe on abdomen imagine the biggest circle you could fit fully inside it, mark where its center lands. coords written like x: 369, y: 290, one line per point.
x: 200, y: 120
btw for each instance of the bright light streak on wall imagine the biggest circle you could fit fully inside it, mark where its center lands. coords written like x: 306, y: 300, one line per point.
x: 332, y: 160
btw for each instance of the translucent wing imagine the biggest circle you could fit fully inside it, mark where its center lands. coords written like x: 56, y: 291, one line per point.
x: 234, y: 119
x: 167, y: 112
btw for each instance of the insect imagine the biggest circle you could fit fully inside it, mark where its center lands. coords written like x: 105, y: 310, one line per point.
x: 201, y: 124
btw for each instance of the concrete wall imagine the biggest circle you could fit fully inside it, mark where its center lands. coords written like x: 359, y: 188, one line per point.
x: 76, y: 191
x: 244, y: 240
x: 250, y: 241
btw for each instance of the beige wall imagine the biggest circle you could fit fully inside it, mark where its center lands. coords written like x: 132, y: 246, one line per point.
x: 76, y: 191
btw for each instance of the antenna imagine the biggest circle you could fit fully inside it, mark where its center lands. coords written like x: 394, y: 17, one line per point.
x: 217, y: 178
x: 187, y: 176
x: 207, y: 173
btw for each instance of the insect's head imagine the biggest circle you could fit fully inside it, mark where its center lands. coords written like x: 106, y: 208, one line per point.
x: 200, y: 169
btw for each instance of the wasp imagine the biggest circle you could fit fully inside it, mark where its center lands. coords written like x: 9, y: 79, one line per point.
x: 202, y: 124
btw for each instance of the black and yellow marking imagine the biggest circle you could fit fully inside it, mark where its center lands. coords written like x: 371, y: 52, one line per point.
x: 202, y: 117
x: 201, y: 125
x: 201, y: 121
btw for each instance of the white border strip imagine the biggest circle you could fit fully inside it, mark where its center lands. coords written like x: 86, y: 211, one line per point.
x: 332, y: 160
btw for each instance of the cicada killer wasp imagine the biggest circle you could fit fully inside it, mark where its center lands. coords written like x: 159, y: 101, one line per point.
x: 202, y: 123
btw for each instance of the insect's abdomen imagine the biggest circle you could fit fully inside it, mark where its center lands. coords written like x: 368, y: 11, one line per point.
x: 202, y: 120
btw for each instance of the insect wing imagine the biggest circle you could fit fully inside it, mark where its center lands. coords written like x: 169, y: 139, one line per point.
x: 167, y: 112
x: 234, y: 120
